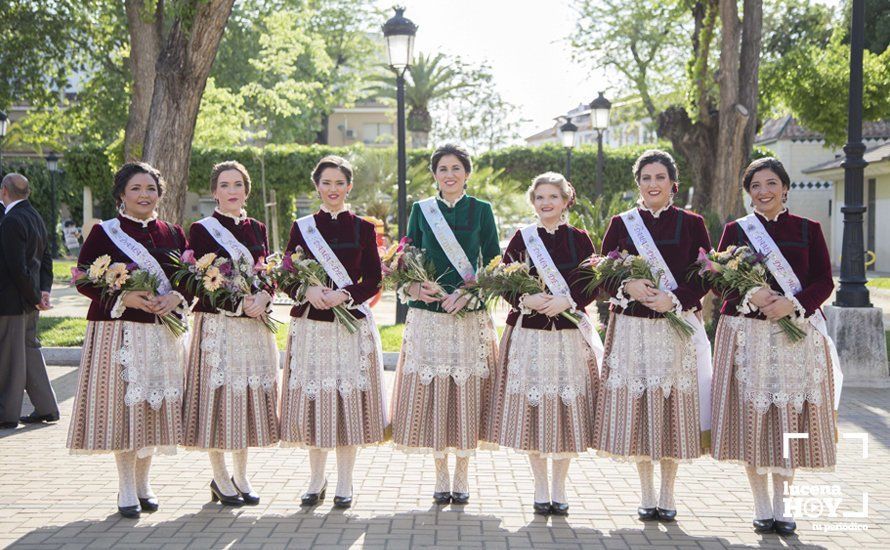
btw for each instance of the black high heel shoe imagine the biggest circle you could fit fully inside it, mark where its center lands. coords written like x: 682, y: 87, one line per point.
x: 149, y: 504
x: 647, y: 514
x: 311, y: 499
x: 226, y: 500
x: 442, y: 497
x: 343, y: 502
x: 666, y: 515
x: 542, y: 508
x: 129, y: 512
x: 460, y: 498
x: 785, y: 528
x: 764, y: 525
x: 250, y: 498
x: 559, y: 508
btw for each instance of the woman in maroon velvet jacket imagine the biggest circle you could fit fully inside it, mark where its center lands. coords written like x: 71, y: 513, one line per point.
x: 545, y: 385
x: 333, y: 396
x: 648, y: 403
x: 231, y: 395
x: 128, y: 399
x: 764, y: 384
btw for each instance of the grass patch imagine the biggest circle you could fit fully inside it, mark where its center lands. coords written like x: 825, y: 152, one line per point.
x: 61, y: 332
x: 879, y: 282
x: 62, y: 270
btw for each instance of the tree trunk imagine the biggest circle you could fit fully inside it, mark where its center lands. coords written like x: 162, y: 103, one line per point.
x: 738, y: 103
x: 696, y: 142
x: 182, y: 70
x: 145, y: 45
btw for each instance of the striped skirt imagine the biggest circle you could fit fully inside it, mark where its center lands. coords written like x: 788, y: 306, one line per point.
x: 217, y: 416
x: 101, y: 421
x: 742, y: 434
x: 541, y: 421
x: 433, y: 408
x: 651, y: 426
x: 326, y: 414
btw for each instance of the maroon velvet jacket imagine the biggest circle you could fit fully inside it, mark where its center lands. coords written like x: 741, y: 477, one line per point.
x: 250, y: 233
x: 678, y: 234
x: 159, y: 237
x: 803, y: 245
x: 568, y: 246
x: 354, y: 242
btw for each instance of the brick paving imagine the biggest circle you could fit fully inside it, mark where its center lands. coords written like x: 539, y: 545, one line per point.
x: 49, y: 499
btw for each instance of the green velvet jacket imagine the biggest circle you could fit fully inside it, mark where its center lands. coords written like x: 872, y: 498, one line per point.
x: 472, y: 221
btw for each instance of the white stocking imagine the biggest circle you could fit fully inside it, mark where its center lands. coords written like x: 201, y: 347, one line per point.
x: 668, y: 477
x: 560, y: 470
x: 345, y: 464
x: 461, y: 475
x: 442, y: 475
x: 646, y: 470
x: 239, y: 462
x: 220, y: 473
x: 779, y: 496
x: 539, y: 471
x: 143, y: 485
x: 762, y: 507
x: 318, y: 458
x: 126, y: 478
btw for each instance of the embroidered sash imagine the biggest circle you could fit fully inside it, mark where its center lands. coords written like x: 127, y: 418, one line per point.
x: 559, y: 287
x: 784, y: 274
x: 446, y: 239
x: 224, y: 237
x: 137, y: 253
x: 646, y: 247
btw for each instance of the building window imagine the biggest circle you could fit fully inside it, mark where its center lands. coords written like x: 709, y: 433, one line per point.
x: 376, y: 132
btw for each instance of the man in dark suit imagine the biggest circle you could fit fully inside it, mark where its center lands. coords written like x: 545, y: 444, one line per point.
x: 26, y: 274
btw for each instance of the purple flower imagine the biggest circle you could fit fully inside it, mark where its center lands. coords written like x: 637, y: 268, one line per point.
x: 614, y: 255
x: 226, y: 268
x: 188, y: 256
x: 132, y: 266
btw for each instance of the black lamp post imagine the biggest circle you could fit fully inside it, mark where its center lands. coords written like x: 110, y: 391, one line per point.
x: 568, y: 131
x: 399, y: 34
x: 4, y: 121
x: 853, y: 292
x: 52, y: 164
x: 599, y: 120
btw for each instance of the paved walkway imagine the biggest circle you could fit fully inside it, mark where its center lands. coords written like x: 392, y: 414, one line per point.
x: 49, y: 499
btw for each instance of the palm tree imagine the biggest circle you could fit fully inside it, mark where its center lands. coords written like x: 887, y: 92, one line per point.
x: 429, y: 78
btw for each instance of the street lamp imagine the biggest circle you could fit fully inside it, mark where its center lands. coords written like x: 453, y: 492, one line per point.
x: 568, y: 131
x: 52, y: 164
x: 4, y: 121
x: 852, y: 291
x: 599, y: 120
x: 399, y: 34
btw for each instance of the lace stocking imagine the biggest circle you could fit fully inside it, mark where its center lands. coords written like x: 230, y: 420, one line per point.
x: 647, y: 484
x: 668, y: 477
x: 442, y: 475
x: 220, y: 473
x: 762, y: 507
x: 560, y: 467
x: 239, y: 461
x: 779, y: 496
x: 461, y: 475
x: 317, y: 461
x: 345, y: 464
x: 143, y: 485
x: 126, y: 478
x: 539, y: 470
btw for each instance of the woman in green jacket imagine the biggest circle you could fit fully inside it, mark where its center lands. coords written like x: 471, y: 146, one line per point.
x: 450, y: 345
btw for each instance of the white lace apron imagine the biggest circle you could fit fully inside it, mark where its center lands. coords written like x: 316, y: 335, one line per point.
x: 440, y: 344
x: 784, y: 372
x: 698, y: 346
x: 647, y: 355
x: 328, y: 357
x: 548, y: 363
x: 153, y: 359
x: 773, y: 370
x: 241, y: 352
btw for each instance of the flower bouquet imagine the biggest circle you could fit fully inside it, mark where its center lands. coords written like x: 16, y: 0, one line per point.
x: 223, y: 280
x: 113, y: 278
x: 740, y: 269
x: 405, y: 264
x: 297, y: 273
x: 514, y: 279
x: 618, y: 266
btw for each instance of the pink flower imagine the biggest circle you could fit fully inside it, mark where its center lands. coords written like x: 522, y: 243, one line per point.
x: 260, y: 265
x: 287, y: 263
x: 470, y: 279
x: 188, y: 256
x: 76, y: 275
x: 385, y: 269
